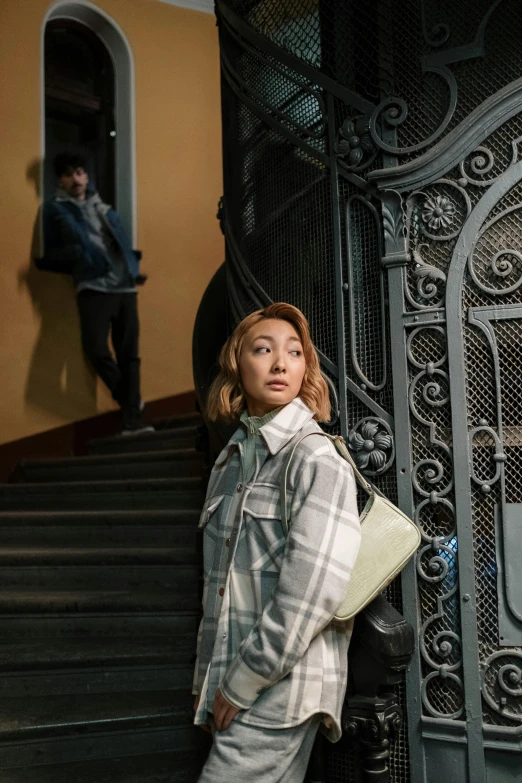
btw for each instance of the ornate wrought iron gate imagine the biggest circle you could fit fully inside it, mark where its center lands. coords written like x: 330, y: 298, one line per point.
x: 372, y: 178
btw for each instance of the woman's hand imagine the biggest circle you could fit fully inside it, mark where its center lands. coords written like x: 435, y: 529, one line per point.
x: 203, y: 726
x: 224, y: 712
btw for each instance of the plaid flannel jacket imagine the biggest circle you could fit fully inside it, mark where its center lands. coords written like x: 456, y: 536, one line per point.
x: 268, y: 638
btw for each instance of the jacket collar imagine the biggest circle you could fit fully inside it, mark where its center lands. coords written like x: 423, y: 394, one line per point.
x: 277, y: 432
x: 92, y: 197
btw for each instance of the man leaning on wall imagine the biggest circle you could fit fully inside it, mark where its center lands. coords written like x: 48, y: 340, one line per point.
x: 85, y: 238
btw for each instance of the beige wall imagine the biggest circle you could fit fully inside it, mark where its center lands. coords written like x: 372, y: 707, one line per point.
x: 44, y: 381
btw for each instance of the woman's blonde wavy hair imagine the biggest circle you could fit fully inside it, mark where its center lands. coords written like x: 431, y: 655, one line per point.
x: 226, y: 397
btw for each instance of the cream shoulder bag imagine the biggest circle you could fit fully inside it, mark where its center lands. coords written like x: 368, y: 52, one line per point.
x: 388, y: 538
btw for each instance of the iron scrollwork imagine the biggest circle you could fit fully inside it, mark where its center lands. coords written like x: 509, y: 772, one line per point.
x: 479, y: 164
x: 502, y: 684
x: 437, y: 560
x: 429, y: 277
x: 439, y: 33
x: 432, y: 216
x: 421, y: 229
x: 479, y: 437
x: 393, y: 111
x: 492, y: 272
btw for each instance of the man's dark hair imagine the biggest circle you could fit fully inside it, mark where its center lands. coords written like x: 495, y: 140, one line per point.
x: 69, y: 161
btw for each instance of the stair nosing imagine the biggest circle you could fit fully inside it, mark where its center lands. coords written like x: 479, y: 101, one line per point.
x: 134, y: 482
x: 148, y: 719
x: 100, y: 654
x: 116, y: 514
x: 155, y: 434
x: 93, y: 459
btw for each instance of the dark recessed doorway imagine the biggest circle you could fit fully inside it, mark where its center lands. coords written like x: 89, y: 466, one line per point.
x: 79, y: 103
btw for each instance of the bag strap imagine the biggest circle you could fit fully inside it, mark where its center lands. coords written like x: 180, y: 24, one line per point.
x: 340, y: 445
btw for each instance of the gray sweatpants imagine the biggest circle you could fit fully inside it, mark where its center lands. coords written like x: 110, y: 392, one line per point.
x: 247, y: 754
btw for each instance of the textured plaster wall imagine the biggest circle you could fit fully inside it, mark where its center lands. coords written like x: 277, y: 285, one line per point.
x: 44, y: 380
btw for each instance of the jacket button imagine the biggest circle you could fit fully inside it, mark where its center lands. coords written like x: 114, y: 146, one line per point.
x: 239, y: 487
x: 222, y: 591
x: 227, y: 542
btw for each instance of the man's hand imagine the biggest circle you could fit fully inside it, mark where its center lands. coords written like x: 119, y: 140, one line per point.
x: 224, y: 712
x: 203, y: 726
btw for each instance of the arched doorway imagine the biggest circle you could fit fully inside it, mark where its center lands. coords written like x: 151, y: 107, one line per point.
x: 79, y: 102
x: 98, y: 103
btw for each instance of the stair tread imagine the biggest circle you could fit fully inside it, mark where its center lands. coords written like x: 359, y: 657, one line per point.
x: 174, y: 767
x: 68, y: 714
x: 88, y: 517
x: 153, y: 435
x: 110, y: 485
x: 179, y: 420
x: 97, y: 687
x: 46, y: 654
x: 72, y: 602
x: 108, y: 459
x: 14, y: 556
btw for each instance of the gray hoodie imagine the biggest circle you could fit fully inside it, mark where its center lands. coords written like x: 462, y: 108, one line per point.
x: 117, y: 279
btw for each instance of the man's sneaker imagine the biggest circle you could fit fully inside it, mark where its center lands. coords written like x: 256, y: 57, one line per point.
x: 133, y: 423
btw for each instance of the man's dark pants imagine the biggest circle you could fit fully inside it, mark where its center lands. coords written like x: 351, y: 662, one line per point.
x: 117, y: 314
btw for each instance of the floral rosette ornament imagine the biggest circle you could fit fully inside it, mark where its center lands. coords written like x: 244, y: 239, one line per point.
x: 370, y: 446
x: 355, y: 143
x: 438, y: 212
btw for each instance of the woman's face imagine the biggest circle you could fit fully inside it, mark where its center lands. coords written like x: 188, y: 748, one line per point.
x: 271, y: 365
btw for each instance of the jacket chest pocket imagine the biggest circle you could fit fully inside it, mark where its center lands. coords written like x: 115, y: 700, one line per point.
x: 261, y: 542
x: 212, y: 521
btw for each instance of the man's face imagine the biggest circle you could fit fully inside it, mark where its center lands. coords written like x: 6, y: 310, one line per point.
x: 74, y: 182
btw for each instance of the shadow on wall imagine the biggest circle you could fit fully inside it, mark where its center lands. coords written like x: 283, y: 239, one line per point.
x: 59, y: 380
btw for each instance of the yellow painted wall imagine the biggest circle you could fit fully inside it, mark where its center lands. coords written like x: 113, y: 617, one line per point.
x: 44, y: 380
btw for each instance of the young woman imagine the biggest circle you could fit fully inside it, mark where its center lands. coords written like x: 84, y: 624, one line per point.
x: 272, y: 661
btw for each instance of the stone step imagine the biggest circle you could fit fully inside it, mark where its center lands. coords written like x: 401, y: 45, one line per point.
x: 51, y: 667
x: 174, y: 767
x: 122, y: 679
x: 159, y: 440
x: 193, y: 419
x: 27, y: 534
x: 37, y: 601
x: 51, y: 654
x: 183, y: 554
x: 54, y: 729
x: 113, y: 578
x: 57, y: 623
x: 116, y: 494
x: 100, y: 588
x: 101, y: 517
x: 165, y: 464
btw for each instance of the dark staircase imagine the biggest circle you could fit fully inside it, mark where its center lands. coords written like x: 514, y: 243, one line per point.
x: 99, y: 606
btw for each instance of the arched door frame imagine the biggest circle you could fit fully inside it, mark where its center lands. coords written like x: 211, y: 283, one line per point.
x: 115, y: 40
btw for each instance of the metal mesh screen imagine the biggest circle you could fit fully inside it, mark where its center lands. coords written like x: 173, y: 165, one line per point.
x: 364, y: 330
x: 493, y: 374
x: 381, y: 49
x: 437, y: 101
x: 340, y: 39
